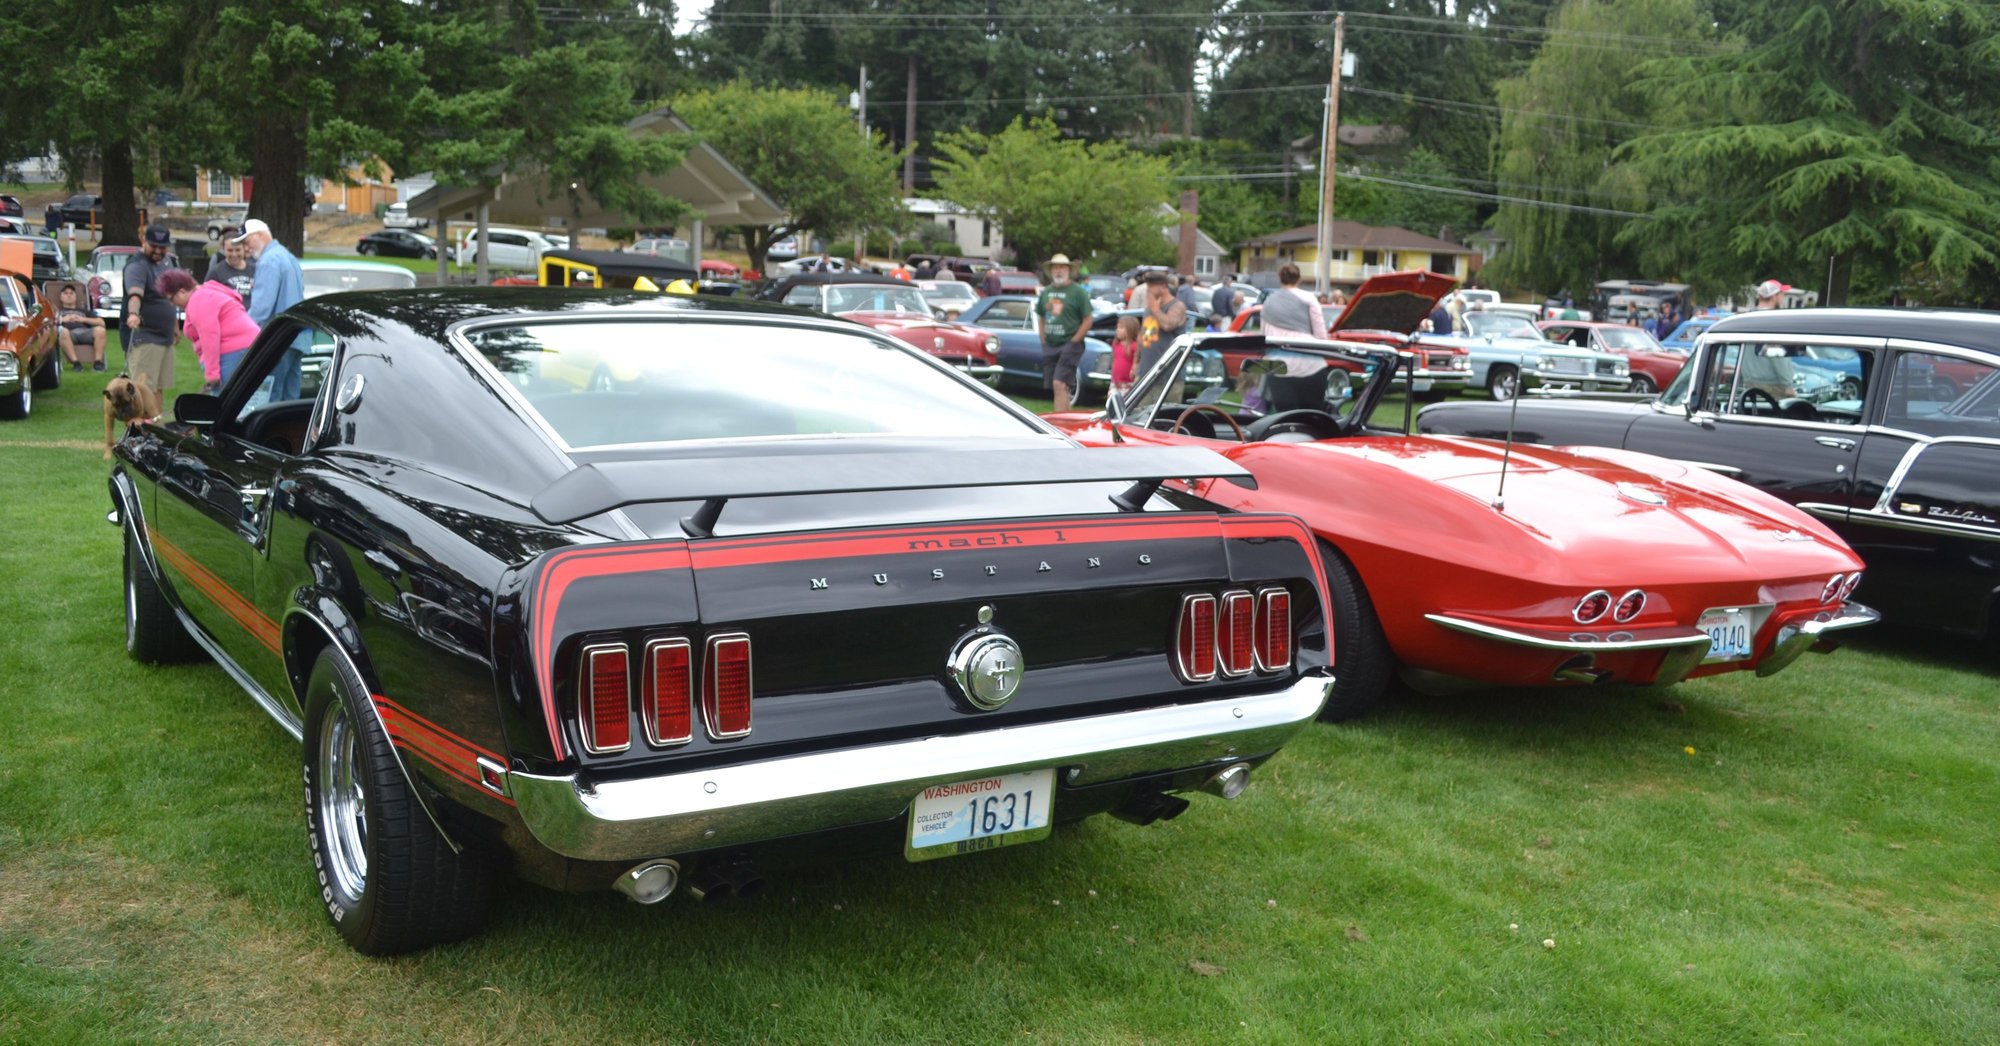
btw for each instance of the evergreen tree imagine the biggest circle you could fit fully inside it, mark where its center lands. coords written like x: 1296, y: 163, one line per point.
x: 1845, y: 143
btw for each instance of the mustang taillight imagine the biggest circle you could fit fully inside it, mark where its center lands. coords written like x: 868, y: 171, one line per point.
x: 1274, y: 630
x: 1236, y: 638
x: 1591, y: 607
x: 725, y: 686
x: 1629, y: 606
x: 669, y: 704
x: 605, y: 699
x: 1194, y: 642
x: 1847, y: 590
x: 1831, y: 590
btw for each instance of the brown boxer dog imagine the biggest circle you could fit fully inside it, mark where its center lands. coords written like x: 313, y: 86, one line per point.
x: 130, y: 400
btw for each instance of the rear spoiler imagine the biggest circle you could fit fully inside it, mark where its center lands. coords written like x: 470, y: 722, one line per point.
x: 603, y: 486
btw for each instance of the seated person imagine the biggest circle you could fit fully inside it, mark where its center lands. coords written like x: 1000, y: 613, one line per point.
x: 78, y: 330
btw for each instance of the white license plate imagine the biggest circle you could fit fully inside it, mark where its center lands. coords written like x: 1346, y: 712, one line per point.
x: 1729, y: 634
x: 967, y: 816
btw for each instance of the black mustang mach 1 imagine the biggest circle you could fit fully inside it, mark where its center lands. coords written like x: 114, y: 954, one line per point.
x: 642, y: 592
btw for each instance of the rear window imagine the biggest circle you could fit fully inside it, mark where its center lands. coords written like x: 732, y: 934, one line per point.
x: 598, y: 384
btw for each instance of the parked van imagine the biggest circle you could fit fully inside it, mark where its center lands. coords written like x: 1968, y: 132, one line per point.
x: 505, y: 248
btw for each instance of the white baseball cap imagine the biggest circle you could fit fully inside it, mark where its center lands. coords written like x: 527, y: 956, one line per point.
x: 251, y: 228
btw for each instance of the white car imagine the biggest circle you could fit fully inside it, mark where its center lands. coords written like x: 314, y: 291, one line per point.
x: 506, y: 248
x: 810, y: 263
x: 948, y: 297
x: 398, y: 216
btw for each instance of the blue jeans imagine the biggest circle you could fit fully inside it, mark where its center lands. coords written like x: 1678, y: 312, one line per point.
x: 285, y: 377
x: 228, y: 363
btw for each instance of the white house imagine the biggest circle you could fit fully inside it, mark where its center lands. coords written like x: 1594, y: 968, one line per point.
x: 977, y: 237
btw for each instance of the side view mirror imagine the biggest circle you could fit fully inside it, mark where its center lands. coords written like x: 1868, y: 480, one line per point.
x: 197, y: 408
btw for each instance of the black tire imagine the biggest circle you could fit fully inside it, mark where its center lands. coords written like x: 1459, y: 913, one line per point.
x: 364, y: 249
x: 1363, y: 664
x: 1644, y: 384
x: 388, y: 881
x: 16, y: 405
x: 152, y: 633
x: 48, y: 377
x: 1503, y: 382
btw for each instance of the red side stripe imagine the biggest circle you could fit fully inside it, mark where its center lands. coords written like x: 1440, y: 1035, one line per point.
x: 454, y: 755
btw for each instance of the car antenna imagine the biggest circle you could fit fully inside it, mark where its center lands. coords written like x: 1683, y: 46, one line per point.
x: 1506, y: 452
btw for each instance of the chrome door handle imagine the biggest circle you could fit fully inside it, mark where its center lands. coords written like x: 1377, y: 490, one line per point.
x: 1836, y: 442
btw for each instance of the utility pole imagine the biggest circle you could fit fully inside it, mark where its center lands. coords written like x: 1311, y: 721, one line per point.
x: 910, y: 130
x: 1330, y: 138
x: 861, y: 102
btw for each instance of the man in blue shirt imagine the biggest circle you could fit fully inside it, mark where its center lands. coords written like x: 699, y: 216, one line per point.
x: 280, y: 285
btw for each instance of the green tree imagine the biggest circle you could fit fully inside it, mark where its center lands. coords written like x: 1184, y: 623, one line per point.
x: 801, y: 147
x: 1053, y: 194
x: 1846, y: 142
x: 1564, y: 119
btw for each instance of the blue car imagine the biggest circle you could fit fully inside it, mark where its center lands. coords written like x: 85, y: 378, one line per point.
x: 1682, y: 339
x: 1011, y: 318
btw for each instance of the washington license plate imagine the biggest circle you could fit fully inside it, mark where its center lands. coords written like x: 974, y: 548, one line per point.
x: 1729, y: 634
x: 990, y: 812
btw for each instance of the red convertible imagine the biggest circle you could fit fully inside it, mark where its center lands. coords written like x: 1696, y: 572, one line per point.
x: 1472, y: 562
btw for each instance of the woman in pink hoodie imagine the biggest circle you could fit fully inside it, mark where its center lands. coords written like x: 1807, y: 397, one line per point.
x: 217, y: 323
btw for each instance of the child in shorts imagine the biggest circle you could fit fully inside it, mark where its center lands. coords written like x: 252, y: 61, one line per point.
x: 78, y: 330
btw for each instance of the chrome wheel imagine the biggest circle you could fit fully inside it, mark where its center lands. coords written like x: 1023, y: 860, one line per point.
x: 131, y: 605
x: 342, y: 808
x: 1503, y: 383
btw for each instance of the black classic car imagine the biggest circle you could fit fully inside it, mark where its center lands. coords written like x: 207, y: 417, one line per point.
x: 538, y: 578
x: 1884, y: 423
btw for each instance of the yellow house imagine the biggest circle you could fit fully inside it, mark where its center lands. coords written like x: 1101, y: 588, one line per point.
x: 354, y: 192
x: 1359, y: 251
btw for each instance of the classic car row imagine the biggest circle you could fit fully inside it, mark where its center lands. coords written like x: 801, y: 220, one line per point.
x: 541, y: 581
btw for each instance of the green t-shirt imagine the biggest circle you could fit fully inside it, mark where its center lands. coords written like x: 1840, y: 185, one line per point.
x: 1062, y: 310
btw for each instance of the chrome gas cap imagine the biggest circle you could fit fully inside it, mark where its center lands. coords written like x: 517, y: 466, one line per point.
x: 987, y: 667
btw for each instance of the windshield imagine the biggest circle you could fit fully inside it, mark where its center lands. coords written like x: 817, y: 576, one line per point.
x: 109, y: 262
x: 657, y: 381
x: 1628, y: 339
x: 329, y: 280
x: 1272, y: 380
x: 863, y: 297
x: 1499, y: 325
x: 958, y: 295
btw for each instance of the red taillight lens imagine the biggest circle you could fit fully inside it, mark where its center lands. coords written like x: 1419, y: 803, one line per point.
x: 605, y: 699
x: 1591, y: 607
x: 725, y: 686
x: 1194, y: 642
x: 1831, y: 590
x: 1274, y: 630
x: 1847, y: 590
x: 669, y: 691
x: 1237, y: 637
x: 1628, y: 606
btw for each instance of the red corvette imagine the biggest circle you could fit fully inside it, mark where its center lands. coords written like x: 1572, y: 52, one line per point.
x: 1653, y: 365
x: 1468, y: 562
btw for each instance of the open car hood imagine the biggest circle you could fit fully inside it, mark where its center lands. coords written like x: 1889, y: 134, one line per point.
x: 1395, y: 301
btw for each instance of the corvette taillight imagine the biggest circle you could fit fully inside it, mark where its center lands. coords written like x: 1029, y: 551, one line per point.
x: 1629, y: 606
x: 604, y: 699
x: 1274, y: 630
x: 725, y: 686
x: 669, y: 691
x: 1236, y: 638
x: 1591, y: 607
x: 1847, y: 589
x: 1194, y: 639
x: 1831, y: 590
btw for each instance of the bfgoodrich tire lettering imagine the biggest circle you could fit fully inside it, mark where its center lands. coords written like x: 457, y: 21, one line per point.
x: 386, y: 878
x: 152, y: 633
x: 1363, y: 665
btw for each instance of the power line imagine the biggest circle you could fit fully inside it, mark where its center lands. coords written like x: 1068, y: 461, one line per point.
x: 1548, y: 205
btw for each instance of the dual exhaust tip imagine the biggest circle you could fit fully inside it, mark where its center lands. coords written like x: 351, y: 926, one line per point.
x: 650, y: 882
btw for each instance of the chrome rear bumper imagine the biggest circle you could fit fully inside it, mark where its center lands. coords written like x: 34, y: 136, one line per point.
x: 578, y: 817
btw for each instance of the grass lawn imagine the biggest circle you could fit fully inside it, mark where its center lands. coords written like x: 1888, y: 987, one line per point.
x: 1810, y: 857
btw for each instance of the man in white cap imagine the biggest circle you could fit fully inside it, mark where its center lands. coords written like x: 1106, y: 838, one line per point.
x: 1064, y: 309
x: 280, y: 284
x: 1769, y: 292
